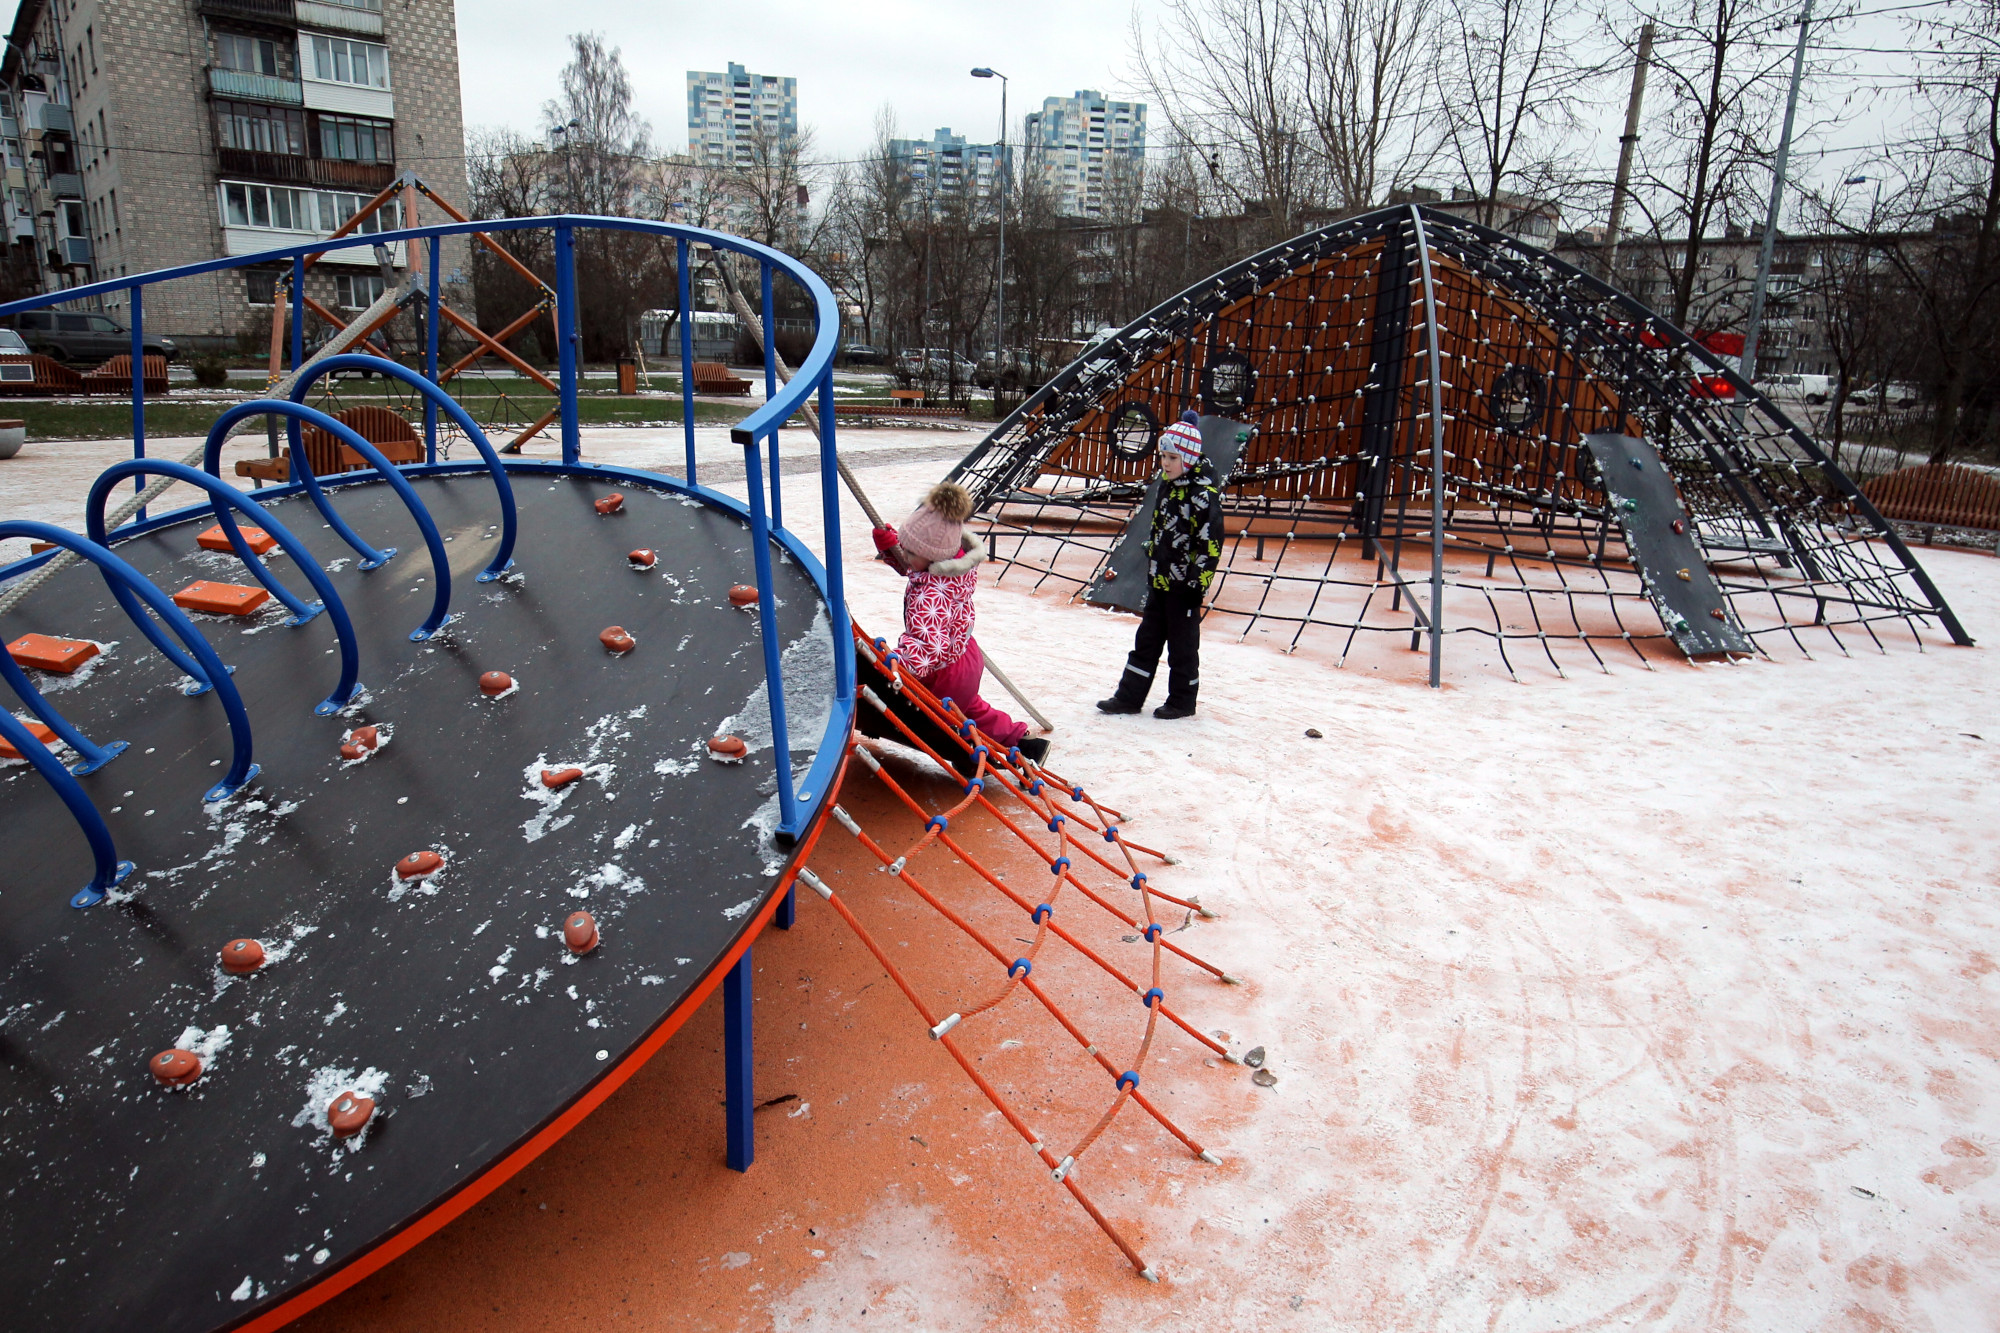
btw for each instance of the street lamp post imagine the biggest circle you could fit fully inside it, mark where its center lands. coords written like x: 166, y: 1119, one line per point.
x: 1000, y: 268
x: 568, y: 132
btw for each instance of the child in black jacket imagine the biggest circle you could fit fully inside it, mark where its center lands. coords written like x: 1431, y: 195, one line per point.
x: 1182, y: 551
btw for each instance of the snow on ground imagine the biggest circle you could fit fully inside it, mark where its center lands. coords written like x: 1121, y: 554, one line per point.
x: 1660, y: 999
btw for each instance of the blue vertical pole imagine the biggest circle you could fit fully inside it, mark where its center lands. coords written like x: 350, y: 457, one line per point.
x: 139, y: 384
x: 770, y: 392
x: 836, y: 577
x: 739, y: 1087
x: 767, y: 623
x: 566, y: 339
x: 686, y: 322
x: 431, y: 355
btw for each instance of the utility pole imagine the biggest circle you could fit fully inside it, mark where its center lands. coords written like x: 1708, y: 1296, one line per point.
x: 1000, y: 269
x: 1771, y: 218
x: 1628, y: 142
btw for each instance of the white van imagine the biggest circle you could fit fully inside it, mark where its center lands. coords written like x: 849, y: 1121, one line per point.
x: 1814, y: 389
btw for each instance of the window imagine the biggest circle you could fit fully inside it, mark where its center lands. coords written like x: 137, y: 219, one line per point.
x: 262, y: 285
x: 103, y: 135
x: 348, y: 139
x: 337, y: 60
x: 74, y: 223
x: 356, y: 291
x: 251, y: 55
x: 90, y: 40
x: 260, y: 129
x: 278, y: 209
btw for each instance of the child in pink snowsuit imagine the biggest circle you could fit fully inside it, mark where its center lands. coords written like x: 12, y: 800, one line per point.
x: 937, y: 647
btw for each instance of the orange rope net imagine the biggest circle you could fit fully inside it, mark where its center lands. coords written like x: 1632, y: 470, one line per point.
x: 1037, y: 790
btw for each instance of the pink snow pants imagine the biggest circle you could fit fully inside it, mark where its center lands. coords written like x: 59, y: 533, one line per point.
x: 959, y: 683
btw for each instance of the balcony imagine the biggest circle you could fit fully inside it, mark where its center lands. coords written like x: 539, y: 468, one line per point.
x: 336, y: 17
x: 75, y: 250
x: 292, y: 169
x: 274, y: 12
x: 255, y: 87
x: 66, y: 185
x: 54, y: 118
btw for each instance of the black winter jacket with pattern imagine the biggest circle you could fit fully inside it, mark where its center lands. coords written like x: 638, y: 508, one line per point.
x: 1185, y: 543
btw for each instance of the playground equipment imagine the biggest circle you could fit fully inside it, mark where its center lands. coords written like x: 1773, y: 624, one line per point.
x: 1428, y: 428
x: 333, y: 905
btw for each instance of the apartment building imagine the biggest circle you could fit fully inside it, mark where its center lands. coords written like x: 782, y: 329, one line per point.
x: 730, y: 112
x: 945, y: 168
x: 144, y: 134
x: 1084, y: 147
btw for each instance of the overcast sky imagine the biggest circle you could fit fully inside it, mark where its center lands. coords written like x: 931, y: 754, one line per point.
x: 848, y: 58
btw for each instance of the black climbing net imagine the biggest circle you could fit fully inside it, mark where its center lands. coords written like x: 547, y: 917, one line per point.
x: 1321, y: 349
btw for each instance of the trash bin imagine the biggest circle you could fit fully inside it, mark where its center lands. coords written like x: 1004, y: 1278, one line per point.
x: 628, y: 375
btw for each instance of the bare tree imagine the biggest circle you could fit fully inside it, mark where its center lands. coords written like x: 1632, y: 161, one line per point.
x: 601, y: 145
x: 1364, y: 73
x: 1508, y: 87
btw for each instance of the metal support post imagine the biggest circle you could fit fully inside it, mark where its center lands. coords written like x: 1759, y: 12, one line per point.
x: 770, y: 392
x: 738, y: 1071
x: 298, y: 352
x: 566, y: 340
x: 1756, y: 322
x: 686, y: 322
x: 1436, y: 372
x: 431, y: 355
x: 767, y: 624
x: 138, y: 386
x: 836, y: 569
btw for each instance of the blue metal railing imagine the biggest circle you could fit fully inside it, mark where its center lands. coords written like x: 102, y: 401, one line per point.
x: 799, y: 800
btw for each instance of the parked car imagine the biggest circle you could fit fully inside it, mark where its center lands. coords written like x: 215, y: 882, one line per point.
x: 1890, y: 393
x: 1023, y: 369
x: 87, y: 337
x: 1814, y: 389
x: 933, y: 365
x: 861, y: 354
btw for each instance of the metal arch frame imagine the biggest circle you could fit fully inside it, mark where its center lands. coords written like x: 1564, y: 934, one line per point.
x: 115, y: 571
x: 223, y: 497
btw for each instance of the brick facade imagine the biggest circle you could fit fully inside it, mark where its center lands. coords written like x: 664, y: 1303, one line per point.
x: 136, y: 78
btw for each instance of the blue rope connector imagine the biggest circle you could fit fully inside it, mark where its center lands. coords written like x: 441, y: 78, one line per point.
x: 1055, y: 825
x: 1139, y: 880
x: 1076, y: 793
x: 938, y: 822
x: 1128, y: 1079
x: 1060, y: 864
x: 1111, y: 833
x: 895, y: 659
x: 946, y: 701
x: 1013, y: 754
x: 1153, y: 997
x: 1021, y: 968
x: 977, y: 784
x: 881, y: 645
x: 1035, y: 787
x: 1153, y: 931
x: 1041, y: 913
x: 965, y: 730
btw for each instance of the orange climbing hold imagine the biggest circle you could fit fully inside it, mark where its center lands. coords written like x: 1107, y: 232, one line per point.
x: 221, y: 599
x: 553, y: 778
x: 618, y: 639
x: 611, y: 503
x: 47, y: 653
x: 742, y: 595
x: 728, y: 747
x: 259, y: 541
x: 580, y: 932
x: 175, y: 1068
x: 495, y: 682
x: 38, y: 731
x: 644, y: 558
x: 419, y: 865
x: 241, y: 956
x: 348, y: 1114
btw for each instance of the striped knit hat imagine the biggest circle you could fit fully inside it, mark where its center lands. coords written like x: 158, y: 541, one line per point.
x: 1184, y: 440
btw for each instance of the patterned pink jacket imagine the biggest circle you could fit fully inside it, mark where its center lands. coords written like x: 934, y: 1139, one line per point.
x: 937, y: 611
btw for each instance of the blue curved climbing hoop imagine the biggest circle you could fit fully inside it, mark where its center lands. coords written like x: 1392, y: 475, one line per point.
x: 222, y: 497
x: 302, y: 469
x: 110, y: 870
x: 116, y: 571
x: 450, y: 406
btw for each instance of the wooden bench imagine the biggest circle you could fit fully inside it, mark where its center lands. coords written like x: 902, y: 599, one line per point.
x: 380, y: 426
x: 714, y: 377
x: 37, y: 376
x: 841, y: 410
x: 908, y: 395
x: 115, y: 376
x: 1941, y: 493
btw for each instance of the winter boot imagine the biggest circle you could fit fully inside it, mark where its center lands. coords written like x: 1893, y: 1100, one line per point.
x: 1170, y: 712
x: 1034, y: 748
x: 1116, y: 705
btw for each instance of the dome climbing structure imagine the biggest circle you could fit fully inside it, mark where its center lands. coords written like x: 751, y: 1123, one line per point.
x: 1428, y: 428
